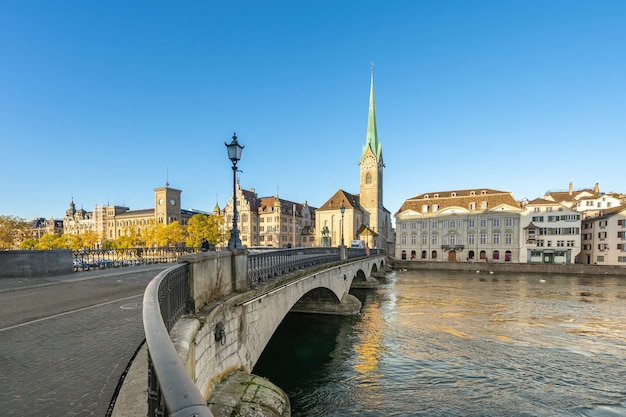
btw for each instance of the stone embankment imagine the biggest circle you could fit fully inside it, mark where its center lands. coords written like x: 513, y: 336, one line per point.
x: 511, y: 267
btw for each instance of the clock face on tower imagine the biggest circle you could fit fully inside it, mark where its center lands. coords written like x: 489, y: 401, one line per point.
x: 172, y: 202
x: 369, y: 162
x: 160, y: 201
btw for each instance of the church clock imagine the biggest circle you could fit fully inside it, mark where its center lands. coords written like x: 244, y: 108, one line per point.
x: 369, y: 162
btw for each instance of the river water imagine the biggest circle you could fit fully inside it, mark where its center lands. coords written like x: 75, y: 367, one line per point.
x: 432, y: 343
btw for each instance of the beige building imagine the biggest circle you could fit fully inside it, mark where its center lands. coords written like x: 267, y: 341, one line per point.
x: 110, y: 222
x: 269, y: 221
x: 364, y: 216
x: 603, y: 238
x: 463, y: 225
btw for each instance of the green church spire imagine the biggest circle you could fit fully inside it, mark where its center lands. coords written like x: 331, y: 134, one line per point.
x: 371, y: 141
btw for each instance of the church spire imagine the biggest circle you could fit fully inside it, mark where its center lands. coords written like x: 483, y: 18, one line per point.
x: 371, y: 141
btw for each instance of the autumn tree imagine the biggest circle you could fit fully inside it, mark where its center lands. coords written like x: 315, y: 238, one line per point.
x: 171, y: 234
x: 12, y: 231
x: 203, y: 226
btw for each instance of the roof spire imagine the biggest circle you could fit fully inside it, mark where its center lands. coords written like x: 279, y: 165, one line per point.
x: 371, y: 140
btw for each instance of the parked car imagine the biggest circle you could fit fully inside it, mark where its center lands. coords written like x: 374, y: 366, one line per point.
x: 105, y: 263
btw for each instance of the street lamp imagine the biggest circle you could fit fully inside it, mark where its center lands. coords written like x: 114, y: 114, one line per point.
x: 367, y: 238
x: 342, y: 209
x: 234, y: 154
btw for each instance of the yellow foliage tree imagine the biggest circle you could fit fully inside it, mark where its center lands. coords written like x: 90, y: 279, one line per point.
x: 12, y: 231
x: 171, y: 234
x: 202, y: 226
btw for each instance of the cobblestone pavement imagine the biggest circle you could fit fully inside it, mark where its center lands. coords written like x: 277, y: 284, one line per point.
x: 65, y: 341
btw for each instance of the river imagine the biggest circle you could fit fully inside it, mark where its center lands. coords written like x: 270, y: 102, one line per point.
x: 437, y: 343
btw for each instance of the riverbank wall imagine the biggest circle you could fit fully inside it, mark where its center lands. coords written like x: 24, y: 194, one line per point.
x: 511, y: 267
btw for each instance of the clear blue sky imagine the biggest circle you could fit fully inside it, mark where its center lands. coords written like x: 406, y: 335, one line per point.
x: 103, y: 101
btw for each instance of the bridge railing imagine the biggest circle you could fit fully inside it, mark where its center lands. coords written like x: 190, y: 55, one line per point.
x: 86, y: 259
x: 171, y: 391
x: 265, y: 265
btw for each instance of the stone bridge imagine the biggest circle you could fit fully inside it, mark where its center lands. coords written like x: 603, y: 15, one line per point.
x: 234, y: 319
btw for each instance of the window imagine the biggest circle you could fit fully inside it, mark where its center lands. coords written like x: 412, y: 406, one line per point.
x: 413, y: 225
x: 496, y: 238
x: 540, y: 242
x: 496, y: 222
x: 553, y: 218
x: 424, y: 239
x: 435, y: 208
x: 470, y: 239
x: 403, y: 226
x: 471, y: 223
x: 472, y: 206
x: 368, y: 178
x: 560, y: 243
x: 452, y: 224
x: 413, y: 240
x: 445, y: 240
x: 483, y: 205
x: 483, y: 222
x: 403, y: 240
x: 508, y: 222
x: 459, y: 240
x: 444, y: 224
x: 483, y: 239
x: 424, y: 208
x: 538, y: 219
x: 508, y: 238
x: 460, y: 224
x: 434, y: 224
x: 434, y: 239
x: 496, y: 255
x: 424, y: 225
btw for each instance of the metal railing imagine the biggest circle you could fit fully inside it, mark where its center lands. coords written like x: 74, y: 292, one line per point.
x: 85, y: 259
x: 171, y: 391
x: 263, y: 266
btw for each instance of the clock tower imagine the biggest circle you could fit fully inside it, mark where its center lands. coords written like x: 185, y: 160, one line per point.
x: 371, y: 174
x: 167, y: 205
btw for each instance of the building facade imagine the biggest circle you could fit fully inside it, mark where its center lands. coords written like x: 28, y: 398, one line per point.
x: 110, y: 221
x: 269, y: 221
x: 364, y: 216
x: 603, y: 238
x: 550, y: 233
x: 459, y: 226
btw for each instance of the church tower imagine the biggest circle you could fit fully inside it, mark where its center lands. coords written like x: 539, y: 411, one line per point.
x: 371, y: 174
x: 167, y: 205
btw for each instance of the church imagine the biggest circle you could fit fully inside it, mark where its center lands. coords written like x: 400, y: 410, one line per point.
x: 346, y: 216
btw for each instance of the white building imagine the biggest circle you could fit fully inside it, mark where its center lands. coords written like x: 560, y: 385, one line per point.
x: 550, y: 233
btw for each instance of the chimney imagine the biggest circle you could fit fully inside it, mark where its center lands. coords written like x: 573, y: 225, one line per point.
x: 571, y: 188
x: 596, y: 189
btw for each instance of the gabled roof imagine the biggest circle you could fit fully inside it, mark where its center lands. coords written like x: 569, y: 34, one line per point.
x: 606, y: 213
x: 350, y: 201
x: 542, y: 202
x: 460, y: 198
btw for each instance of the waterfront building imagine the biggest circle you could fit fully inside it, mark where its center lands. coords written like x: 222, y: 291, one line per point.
x: 462, y: 225
x: 550, y: 232
x: 364, y: 216
x: 587, y: 201
x: 269, y: 221
x: 603, y: 238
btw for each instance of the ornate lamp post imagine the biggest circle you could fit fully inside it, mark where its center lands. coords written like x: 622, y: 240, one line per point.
x: 234, y: 154
x: 342, y: 209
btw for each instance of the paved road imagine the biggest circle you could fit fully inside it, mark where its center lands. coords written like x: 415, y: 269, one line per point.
x: 65, y: 341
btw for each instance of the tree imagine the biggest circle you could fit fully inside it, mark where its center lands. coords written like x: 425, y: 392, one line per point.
x: 12, y: 231
x: 171, y: 234
x: 202, y: 226
x: 47, y: 241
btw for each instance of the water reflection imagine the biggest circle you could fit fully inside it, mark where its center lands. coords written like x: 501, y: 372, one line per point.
x: 451, y: 344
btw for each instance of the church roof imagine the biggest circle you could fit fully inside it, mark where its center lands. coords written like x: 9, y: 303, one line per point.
x: 349, y: 201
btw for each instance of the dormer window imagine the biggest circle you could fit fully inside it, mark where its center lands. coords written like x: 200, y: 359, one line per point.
x: 472, y: 192
x: 483, y: 204
x: 483, y: 192
x: 426, y: 196
x: 435, y: 208
x: 424, y: 208
x: 436, y: 195
x: 453, y: 194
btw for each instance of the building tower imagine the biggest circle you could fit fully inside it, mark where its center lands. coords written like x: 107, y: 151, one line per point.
x: 167, y: 205
x: 371, y: 175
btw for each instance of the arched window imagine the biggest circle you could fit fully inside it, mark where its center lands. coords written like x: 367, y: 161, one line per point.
x: 413, y: 255
x: 471, y: 254
x: 433, y: 255
x: 404, y: 255
x: 368, y: 178
x: 496, y: 254
x: 507, y: 256
x: 483, y: 255
x: 423, y: 254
